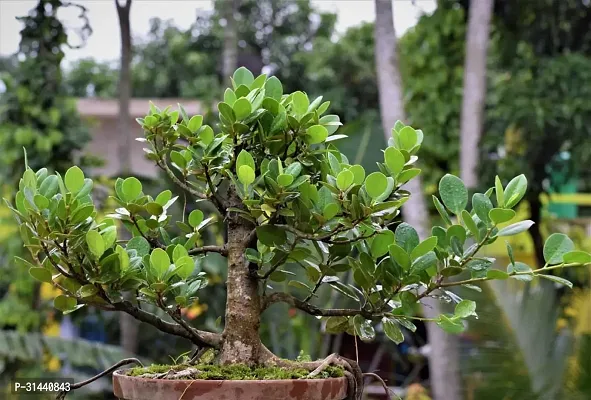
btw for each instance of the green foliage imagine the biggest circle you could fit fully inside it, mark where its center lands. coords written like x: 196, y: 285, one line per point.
x: 267, y: 170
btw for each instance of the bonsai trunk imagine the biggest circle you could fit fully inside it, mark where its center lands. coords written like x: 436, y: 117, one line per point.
x: 240, y: 340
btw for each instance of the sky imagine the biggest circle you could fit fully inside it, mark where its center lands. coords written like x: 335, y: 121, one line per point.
x: 104, y: 43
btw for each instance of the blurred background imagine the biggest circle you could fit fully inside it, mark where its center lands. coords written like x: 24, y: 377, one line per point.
x: 498, y: 86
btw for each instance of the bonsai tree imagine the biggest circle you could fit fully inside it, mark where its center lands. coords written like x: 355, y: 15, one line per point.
x: 289, y: 200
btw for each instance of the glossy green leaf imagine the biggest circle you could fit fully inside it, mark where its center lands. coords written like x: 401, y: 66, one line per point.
x: 556, y: 246
x: 482, y: 206
x: 358, y: 174
x: 195, y: 123
x: 424, y: 247
x: 184, y: 266
x: 407, y: 138
x: 381, y: 242
x: 496, y: 274
x: 273, y: 88
x: 140, y: 245
x: 363, y: 328
x: 401, y: 257
x: 465, y: 309
x: 132, y: 188
x: 246, y: 175
x: 316, y: 134
x: 450, y: 325
x: 470, y: 224
x: 242, y: 108
x: 376, y: 183
x: 74, y: 179
x: 501, y: 215
x: 64, y: 303
x: 345, y: 179
x: 499, y: 192
x: 243, y: 76
x: 394, y: 160
x: 515, y: 191
x: 442, y: 211
x: 159, y: 261
x: 557, y: 279
x: 41, y: 274
x: 423, y: 262
x: 453, y: 193
x: 195, y: 218
x: 406, y: 237
x: 392, y: 331
x: 95, y: 243
x: 577, y: 257
x: 300, y: 104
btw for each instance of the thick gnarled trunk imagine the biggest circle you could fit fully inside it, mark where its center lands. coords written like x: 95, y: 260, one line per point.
x: 240, y: 340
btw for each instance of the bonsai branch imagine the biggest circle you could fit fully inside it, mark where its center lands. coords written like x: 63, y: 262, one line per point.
x: 280, y: 297
x: 200, y: 338
x: 209, y: 249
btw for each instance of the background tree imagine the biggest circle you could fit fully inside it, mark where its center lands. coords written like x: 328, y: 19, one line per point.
x: 477, y: 38
x: 230, y: 50
x: 444, y: 362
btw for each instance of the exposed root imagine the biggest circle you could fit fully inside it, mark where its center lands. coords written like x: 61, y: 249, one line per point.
x: 62, y: 395
x: 389, y: 393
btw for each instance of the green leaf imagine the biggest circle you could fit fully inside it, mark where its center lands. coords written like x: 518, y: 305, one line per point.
x: 500, y: 215
x: 407, y: 138
x: 345, y: 179
x: 336, y: 325
x: 406, y: 237
x: 95, y: 243
x: 516, y: 228
x: 300, y: 104
x: 453, y: 193
x: 556, y: 246
x: 499, y: 192
x: 123, y: 257
x: 577, y: 257
x: 49, y: 187
x: 358, y: 174
x: 64, y: 303
x: 424, y: 247
x: 557, y: 279
x: 424, y: 262
x: 316, y: 134
x: 159, y: 261
x: 450, y: 325
x: 515, y: 190
x: 242, y: 108
x: 184, y: 266
x: 74, y: 179
x: 470, y: 224
x: 195, y: 218
x: 206, y: 135
x: 41, y: 274
x: 381, y: 242
x: 271, y: 235
x: 363, y: 328
x: 140, y: 245
x: 408, y: 174
x: 229, y: 96
x: 273, y: 88
x: 87, y: 290
x: 465, y: 309
x: 401, y: 257
x: 195, y: 123
x: 441, y: 209
x: 496, y: 274
x: 376, y: 183
x: 392, y: 331
x: 243, y: 76
x: 132, y: 188
x: 482, y: 206
x: 244, y: 158
x: 246, y: 175
x: 394, y: 160
x: 285, y: 180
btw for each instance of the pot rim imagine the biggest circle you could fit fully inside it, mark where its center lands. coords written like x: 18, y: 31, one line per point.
x: 120, y: 375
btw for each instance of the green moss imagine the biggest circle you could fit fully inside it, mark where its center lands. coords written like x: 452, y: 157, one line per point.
x: 238, y: 372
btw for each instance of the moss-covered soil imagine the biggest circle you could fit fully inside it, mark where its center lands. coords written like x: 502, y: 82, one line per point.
x: 230, y: 372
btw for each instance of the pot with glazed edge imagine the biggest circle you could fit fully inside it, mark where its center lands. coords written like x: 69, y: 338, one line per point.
x: 127, y: 387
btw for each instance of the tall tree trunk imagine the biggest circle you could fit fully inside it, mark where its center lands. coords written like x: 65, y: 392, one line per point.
x: 241, y: 342
x: 477, y: 39
x: 129, y: 326
x: 444, y: 359
x: 124, y: 148
x: 230, y: 50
